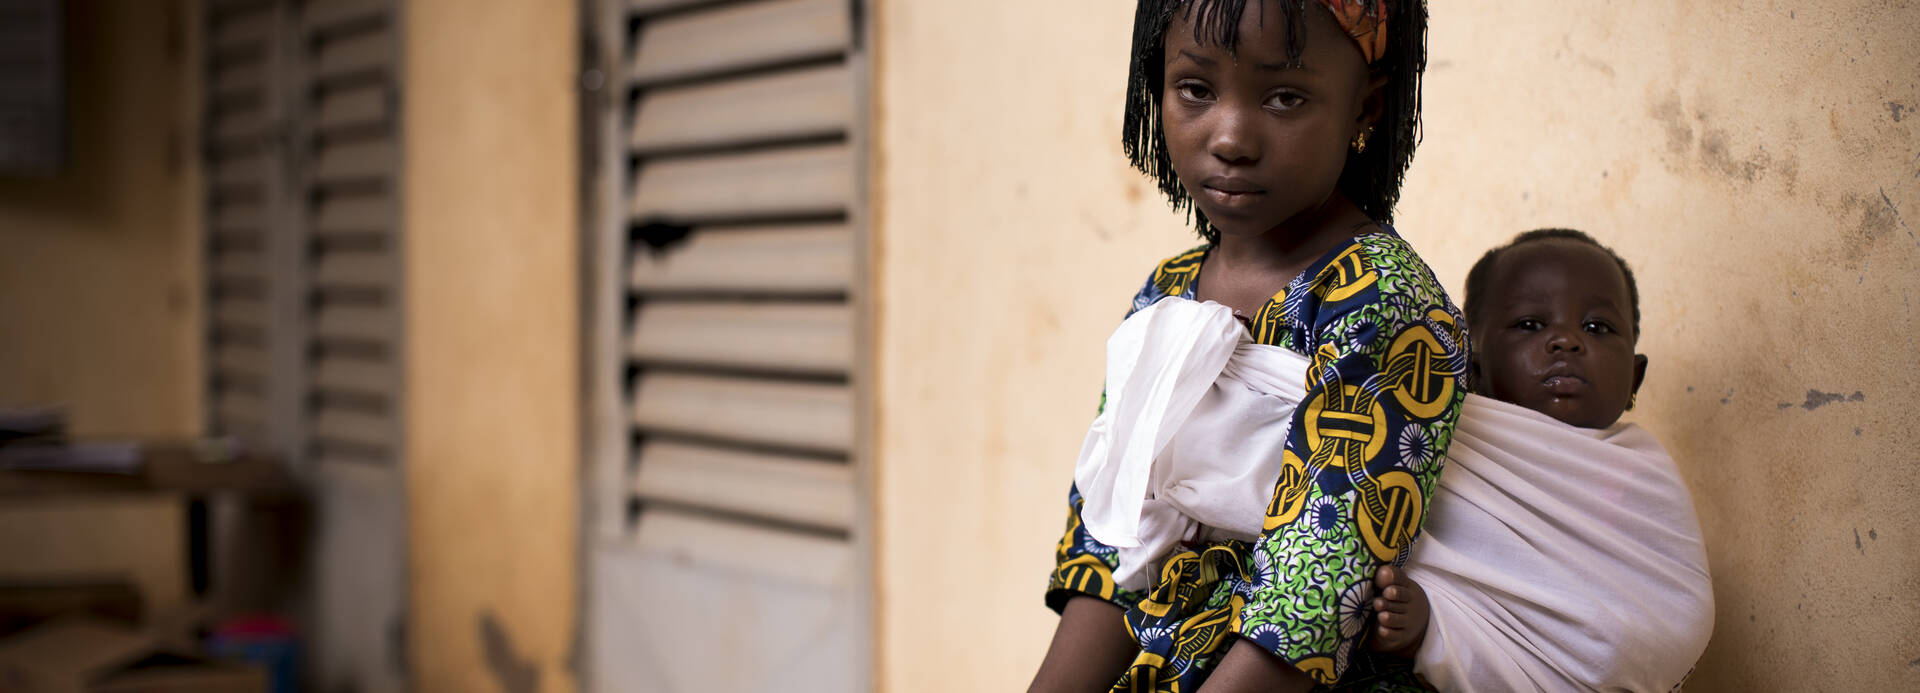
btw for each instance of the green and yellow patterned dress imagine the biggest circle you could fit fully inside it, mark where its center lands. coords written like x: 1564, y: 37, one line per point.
x: 1388, y: 372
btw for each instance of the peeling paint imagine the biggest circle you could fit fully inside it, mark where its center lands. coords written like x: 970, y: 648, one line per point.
x: 1817, y: 399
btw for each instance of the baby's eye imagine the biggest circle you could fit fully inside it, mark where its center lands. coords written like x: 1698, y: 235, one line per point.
x: 1192, y: 91
x: 1528, y: 325
x: 1285, y: 100
x: 1598, y: 327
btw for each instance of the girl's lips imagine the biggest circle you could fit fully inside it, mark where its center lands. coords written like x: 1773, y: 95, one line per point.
x: 1232, y: 198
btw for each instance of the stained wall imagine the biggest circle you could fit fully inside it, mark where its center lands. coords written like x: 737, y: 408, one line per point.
x: 492, y: 344
x: 1756, y: 162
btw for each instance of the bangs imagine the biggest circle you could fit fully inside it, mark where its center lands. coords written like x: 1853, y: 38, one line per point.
x: 1217, y: 22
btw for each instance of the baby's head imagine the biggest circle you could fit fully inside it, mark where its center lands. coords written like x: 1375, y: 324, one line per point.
x: 1554, y: 317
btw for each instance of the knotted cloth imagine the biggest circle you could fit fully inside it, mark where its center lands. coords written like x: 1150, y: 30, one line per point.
x: 1365, y: 21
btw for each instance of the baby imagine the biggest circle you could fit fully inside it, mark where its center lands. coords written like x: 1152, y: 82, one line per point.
x: 1554, y: 318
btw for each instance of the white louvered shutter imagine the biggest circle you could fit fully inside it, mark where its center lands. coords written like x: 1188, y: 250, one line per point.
x: 303, y: 174
x: 727, y: 553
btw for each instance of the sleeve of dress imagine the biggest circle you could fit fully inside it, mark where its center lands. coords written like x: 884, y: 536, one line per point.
x: 1081, y: 564
x: 1366, y: 445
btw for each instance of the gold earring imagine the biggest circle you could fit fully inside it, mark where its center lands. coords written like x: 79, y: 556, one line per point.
x: 1360, y: 140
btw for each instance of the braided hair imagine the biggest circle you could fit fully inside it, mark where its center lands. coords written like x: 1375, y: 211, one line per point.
x: 1371, y: 179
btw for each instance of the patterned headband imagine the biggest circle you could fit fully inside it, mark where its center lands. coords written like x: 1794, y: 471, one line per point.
x: 1365, y: 21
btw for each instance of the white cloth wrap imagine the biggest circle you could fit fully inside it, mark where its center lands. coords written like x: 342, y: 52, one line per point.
x: 1559, y: 558
x: 1555, y: 557
x: 1190, y: 398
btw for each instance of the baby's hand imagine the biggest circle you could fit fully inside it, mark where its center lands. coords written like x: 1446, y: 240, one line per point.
x: 1400, y: 613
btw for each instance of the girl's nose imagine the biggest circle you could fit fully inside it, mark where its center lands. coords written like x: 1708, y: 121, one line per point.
x: 1234, y: 140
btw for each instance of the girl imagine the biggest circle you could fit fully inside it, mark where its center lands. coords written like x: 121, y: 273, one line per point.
x: 1284, y: 127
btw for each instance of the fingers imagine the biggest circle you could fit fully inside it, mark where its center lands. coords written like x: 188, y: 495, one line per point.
x: 1385, y: 576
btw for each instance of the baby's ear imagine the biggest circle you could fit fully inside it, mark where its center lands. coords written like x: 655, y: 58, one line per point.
x: 1639, y: 371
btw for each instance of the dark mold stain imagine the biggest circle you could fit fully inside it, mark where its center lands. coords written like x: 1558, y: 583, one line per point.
x: 1896, y: 108
x: 1872, y: 535
x: 1674, y: 118
x: 1856, y: 432
x: 1714, y: 150
x: 1856, y: 542
x: 1689, y: 388
x: 514, y: 673
x: 1784, y: 405
x: 1878, y: 218
x: 1817, y: 399
x: 1693, y: 133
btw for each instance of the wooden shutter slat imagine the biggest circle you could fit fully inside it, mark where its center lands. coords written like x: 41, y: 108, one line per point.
x: 237, y: 405
x: 240, y: 312
x: 809, y: 259
x: 357, y: 107
x: 354, y: 214
x: 763, y: 485
x: 353, y: 427
x: 741, y: 548
x: 646, y: 7
x: 365, y: 269
x: 806, y: 416
x: 324, y: 16
x: 341, y: 374
x: 231, y: 217
x: 239, y: 265
x: 239, y: 127
x: 793, y: 181
x: 242, y: 29
x: 357, y: 161
x: 354, y: 323
x: 807, y: 339
x: 364, y: 52
x: 794, y: 104
x: 241, y: 171
x: 740, y: 36
x: 233, y: 79
x: 241, y: 359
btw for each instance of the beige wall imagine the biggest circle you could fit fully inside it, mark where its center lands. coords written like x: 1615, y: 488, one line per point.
x: 492, y: 306
x: 99, y: 265
x: 1756, y: 163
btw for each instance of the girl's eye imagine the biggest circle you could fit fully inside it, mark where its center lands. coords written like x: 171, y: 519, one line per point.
x: 1598, y: 327
x: 1285, y: 100
x: 1193, y: 91
x: 1528, y: 324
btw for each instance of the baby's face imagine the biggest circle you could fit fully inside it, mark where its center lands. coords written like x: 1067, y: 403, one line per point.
x: 1556, y: 334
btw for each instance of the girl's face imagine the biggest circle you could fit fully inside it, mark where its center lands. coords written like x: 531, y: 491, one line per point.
x: 1557, y: 333
x: 1256, y: 139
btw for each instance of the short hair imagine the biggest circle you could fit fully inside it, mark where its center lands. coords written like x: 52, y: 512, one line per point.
x: 1477, y: 277
x: 1371, y: 179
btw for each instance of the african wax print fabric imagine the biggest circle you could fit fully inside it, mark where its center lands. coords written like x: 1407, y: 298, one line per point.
x: 1388, y: 372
